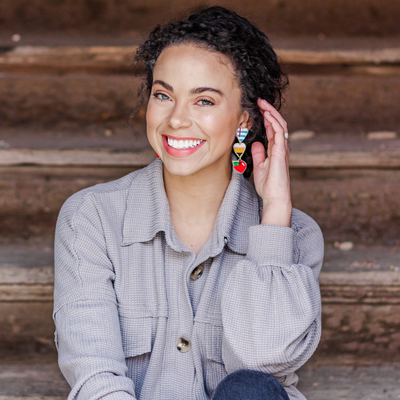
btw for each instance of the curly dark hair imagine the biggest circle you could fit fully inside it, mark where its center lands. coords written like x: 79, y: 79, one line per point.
x: 255, y: 62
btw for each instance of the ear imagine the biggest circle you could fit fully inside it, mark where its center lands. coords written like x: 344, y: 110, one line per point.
x: 245, y: 120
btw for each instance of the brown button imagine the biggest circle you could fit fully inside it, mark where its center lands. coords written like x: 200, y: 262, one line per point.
x: 183, y: 345
x: 196, y: 273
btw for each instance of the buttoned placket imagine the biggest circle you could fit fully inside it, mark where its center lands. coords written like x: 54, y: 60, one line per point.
x: 197, y: 281
x: 179, y: 350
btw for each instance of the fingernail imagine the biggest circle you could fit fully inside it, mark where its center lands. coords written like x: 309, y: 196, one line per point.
x: 268, y: 112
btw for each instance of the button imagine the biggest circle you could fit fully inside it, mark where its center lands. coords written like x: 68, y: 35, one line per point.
x: 183, y: 345
x: 196, y: 273
x: 225, y: 240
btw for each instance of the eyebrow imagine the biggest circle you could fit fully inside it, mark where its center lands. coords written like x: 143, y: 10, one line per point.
x: 192, y: 91
x: 205, y: 89
x: 164, y: 84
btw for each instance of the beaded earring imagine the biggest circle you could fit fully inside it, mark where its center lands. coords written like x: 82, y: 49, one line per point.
x: 239, y: 149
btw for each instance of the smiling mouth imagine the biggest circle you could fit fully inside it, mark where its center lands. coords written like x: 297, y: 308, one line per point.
x: 183, y: 144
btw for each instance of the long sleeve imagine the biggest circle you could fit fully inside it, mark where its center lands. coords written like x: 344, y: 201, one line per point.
x: 88, y: 335
x: 271, y: 306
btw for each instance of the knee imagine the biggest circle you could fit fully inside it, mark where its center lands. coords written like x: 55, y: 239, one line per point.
x: 247, y: 384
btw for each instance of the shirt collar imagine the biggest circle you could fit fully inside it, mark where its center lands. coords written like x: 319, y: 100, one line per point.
x: 147, y: 208
x: 239, y: 211
x: 148, y: 213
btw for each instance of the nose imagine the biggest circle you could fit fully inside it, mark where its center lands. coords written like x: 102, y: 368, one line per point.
x: 179, y: 117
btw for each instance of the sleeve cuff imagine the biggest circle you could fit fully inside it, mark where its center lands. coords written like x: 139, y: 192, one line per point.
x: 271, y: 245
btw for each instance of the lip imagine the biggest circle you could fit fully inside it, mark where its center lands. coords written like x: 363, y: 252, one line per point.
x: 180, y: 152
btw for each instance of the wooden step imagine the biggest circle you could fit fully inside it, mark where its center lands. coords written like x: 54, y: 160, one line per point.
x: 351, y: 382
x: 321, y: 151
x: 51, y: 99
x: 342, y: 103
x: 360, y: 295
x: 335, y: 85
x: 337, y: 179
x: 29, y: 381
x: 324, y: 103
x: 35, y: 284
x: 362, y: 275
x: 290, y: 17
x: 94, y: 158
x: 41, y: 59
x: 354, y: 56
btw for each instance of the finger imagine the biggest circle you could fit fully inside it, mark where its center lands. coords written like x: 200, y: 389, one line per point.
x: 278, y: 130
x: 270, y: 135
x: 269, y: 107
x: 269, y: 126
x: 258, y: 153
x: 269, y: 129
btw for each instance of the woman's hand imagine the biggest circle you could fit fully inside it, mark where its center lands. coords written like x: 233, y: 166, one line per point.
x: 271, y: 174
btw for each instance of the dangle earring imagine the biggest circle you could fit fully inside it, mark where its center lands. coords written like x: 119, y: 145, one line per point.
x: 239, y: 149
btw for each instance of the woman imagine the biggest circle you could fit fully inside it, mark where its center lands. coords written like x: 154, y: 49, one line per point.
x: 182, y: 280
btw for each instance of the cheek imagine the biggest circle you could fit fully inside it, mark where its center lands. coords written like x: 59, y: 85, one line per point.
x: 219, y: 122
x: 150, y: 115
x: 151, y: 125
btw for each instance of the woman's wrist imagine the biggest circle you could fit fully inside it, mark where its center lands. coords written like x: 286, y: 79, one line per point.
x: 277, y: 213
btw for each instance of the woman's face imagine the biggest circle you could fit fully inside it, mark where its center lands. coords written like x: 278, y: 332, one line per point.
x: 194, y: 110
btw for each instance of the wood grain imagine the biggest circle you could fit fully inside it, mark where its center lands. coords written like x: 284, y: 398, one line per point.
x: 90, y: 158
x: 108, y: 59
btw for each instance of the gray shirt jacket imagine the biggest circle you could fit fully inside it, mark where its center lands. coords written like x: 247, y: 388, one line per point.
x: 140, y: 316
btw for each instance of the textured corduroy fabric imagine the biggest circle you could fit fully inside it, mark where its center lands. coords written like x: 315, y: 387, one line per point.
x: 123, y: 293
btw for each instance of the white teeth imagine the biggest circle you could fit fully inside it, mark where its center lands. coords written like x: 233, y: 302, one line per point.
x: 183, y: 144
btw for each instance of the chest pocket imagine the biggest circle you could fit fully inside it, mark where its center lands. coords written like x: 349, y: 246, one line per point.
x: 137, y: 337
x: 137, y: 343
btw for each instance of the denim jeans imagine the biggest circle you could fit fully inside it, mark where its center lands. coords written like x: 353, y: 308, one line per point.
x: 250, y: 385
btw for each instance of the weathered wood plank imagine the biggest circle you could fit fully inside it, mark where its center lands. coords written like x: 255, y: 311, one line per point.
x: 379, y: 70
x: 360, y: 278
x: 367, y: 287
x: 345, y: 160
x: 32, y: 398
x: 381, y: 56
x: 103, y: 59
x: 22, y: 292
x: 360, y: 295
x: 14, y: 157
x: 75, y: 59
x: 13, y: 274
x: 90, y: 158
x: 371, y: 287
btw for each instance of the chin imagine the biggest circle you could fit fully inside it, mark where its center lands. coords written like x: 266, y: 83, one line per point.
x: 193, y: 165
x: 181, y: 168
